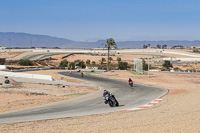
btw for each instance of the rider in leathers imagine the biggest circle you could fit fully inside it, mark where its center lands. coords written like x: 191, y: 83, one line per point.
x: 105, y: 93
x: 130, y: 80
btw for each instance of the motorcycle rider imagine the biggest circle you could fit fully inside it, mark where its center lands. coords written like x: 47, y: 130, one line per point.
x: 110, y: 95
x: 105, y: 93
x: 130, y: 80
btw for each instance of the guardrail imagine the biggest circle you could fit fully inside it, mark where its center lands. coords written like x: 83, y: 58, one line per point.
x: 30, y: 69
x: 24, y: 75
x: 188, y: 71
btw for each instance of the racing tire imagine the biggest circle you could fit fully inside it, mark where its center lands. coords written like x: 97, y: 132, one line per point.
x: 110, y: 103
x: 117, y: 104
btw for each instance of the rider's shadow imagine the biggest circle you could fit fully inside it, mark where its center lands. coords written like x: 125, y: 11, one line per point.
x: 120, y: 105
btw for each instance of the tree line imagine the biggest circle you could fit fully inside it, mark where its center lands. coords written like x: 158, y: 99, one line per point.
x: 157, y: 46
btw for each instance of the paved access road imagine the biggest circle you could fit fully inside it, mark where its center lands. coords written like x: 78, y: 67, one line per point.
x: 128, y: 97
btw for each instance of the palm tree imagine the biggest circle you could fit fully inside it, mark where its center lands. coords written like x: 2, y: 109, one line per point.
x: 102, y: 60
x: 88, y: 62
x: 93, y: 63
x: 110, y: 59
x: 109, y: 43
x: 158, y: 46
x: 119, y: 59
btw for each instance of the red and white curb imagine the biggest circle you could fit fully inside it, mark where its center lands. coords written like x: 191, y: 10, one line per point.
x: 144, y: 106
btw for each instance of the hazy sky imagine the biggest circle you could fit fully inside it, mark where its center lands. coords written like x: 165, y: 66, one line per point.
x: 90, y: 20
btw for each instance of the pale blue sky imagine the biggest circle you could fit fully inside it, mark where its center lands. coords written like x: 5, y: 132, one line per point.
x: 90, y: 20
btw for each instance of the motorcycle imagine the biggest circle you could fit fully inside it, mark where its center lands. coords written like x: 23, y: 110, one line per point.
x: 111, y: 100
x: 131, y: 83
x: 7, y: 81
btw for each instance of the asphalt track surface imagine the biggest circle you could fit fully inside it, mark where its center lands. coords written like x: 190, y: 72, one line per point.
x: 38, y: 56
x: 191, y: 73
x: 128, y: 97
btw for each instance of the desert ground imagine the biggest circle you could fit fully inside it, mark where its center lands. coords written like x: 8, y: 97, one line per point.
x: 8, y: 54
x: 128, y: 57
x: 18, y: 95
x: 177, y: 112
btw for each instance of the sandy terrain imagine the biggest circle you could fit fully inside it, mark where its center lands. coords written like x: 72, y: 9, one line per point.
x: 8, y: 54
x: 17, y: 95
x: 97, y: 58
x: 125, y: 56
x: 178, y: 112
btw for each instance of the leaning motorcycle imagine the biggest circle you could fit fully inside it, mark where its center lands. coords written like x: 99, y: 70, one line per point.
x: 111, y: 100
x: 131, y: 83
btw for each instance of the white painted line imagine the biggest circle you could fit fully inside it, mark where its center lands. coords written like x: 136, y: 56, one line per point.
x: 154, y: 102
x: 145, y: 106
x: 159, y: 99
x: 135, y: 109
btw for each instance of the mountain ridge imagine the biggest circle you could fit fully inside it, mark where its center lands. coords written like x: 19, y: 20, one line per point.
x: 14, y: 39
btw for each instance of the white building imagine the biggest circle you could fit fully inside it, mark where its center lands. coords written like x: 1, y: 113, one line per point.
x: 1, y: 47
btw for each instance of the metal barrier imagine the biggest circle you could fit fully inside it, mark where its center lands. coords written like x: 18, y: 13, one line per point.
x: 24, y: 75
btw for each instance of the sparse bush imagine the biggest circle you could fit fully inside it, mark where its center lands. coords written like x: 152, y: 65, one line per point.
x: 167, y: 64
x: 122, y: 65
x: 176, y: 68
x: 63, y: 63
x: 72, y: 65
x: 144, y: 65
x: 110, y: 59
x: 88, y: 62
x: 25, y: 63
x: 93, y: 63
x: 80, y: 63
x: 102, y: 60
x: 119, y: 59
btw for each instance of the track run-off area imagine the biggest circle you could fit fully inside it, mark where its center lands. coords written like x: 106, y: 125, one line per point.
x: 128, y: 97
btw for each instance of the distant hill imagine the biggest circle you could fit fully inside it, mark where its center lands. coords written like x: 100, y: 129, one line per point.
x: 28, y: 40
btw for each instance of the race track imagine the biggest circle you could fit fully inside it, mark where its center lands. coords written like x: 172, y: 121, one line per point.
x: 128, y: 97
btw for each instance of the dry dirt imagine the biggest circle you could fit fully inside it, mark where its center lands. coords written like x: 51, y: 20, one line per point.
x: 179, y: 112
x: 8, y: 54
x: 123, y: 56
x: 18, y: 95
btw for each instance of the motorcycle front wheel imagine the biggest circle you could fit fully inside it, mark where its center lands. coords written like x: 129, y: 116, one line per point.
x: 110, y: 103
x: 117, y: 104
